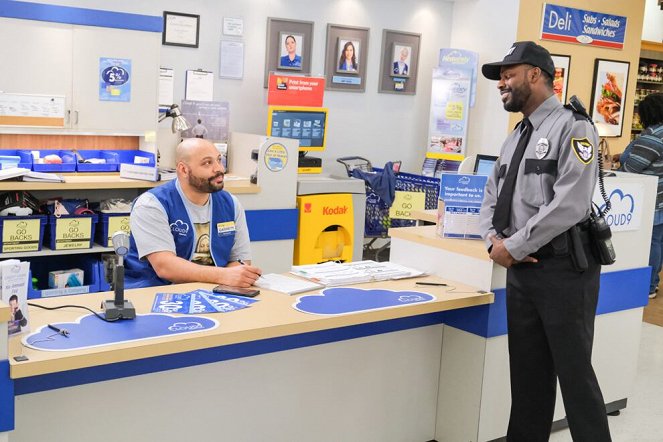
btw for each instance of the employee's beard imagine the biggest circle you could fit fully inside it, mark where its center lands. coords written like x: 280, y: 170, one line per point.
x: 518, y: 98
x: 205, y: 185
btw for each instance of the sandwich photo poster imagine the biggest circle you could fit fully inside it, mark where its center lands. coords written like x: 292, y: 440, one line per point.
x: 608, y: 92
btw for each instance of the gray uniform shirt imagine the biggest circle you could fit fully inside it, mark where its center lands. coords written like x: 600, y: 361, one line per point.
x: 555, y: 180
x: 151, y: 231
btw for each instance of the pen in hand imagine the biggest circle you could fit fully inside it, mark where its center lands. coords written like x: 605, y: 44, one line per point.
x: 60, y: 331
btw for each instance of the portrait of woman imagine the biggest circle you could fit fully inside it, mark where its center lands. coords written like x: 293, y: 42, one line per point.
x: 291, y: 46
x: 348, y: 55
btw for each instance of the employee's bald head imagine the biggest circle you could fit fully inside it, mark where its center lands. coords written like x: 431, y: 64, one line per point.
x: 189, y: 147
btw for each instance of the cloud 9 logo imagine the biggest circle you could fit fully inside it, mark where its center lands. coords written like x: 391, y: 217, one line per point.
x: 185, y: 326
x: 180, y: 227
x: 621, y: 213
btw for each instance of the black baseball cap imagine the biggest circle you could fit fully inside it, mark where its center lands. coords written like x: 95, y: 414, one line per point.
x: 521, y: 52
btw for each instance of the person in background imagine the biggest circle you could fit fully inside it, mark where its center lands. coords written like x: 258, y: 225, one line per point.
x: 534, y: 220
x: 348, y: 60
x: 645, y: 155
x: 190, y: 229
x: 291, y: 59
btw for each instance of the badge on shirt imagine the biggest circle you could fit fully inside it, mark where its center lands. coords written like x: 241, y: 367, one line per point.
x: 583, y: 149
x: 227, y: 228
x: 542, y: 147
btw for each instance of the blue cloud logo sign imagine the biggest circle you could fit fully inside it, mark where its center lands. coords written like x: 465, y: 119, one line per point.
x: 89, y: 331
x: 623, y: 205
x: 343, y: 300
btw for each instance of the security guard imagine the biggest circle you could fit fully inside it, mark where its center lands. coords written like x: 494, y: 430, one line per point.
x: 533, y: 218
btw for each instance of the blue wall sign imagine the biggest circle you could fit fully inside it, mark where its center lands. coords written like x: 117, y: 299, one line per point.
x: 571, y: 25
x: 89, y: 331
x: 114, y: 79
x: 342, y: 300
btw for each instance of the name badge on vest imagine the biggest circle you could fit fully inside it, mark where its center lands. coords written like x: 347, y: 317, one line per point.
x: 225, y: 229
x: 542, y: 147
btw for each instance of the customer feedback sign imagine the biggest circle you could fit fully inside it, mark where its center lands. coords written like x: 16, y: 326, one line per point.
x: 578, y: 26
x: 462, y: 196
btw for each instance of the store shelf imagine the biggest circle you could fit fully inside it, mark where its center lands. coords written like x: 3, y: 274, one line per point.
x: 48, y: 252
x: 660, y: 83
x: 113, y: 181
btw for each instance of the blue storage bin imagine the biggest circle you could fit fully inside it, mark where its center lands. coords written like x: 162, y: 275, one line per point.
x: 25, y: 157
x: 19, y: 240
x: 129, y: 156
x: 74, y: 236
x: 120, y: 222
x: 68, y: 161
x: 40, y: 267
x: 111, y: 157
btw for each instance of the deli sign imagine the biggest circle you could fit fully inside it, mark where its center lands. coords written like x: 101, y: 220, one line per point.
x: 571, y: 25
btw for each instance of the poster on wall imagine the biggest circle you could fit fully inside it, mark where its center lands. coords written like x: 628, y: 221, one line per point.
x: 608, y: 92
x: 208, y: 119
x: 450, y: 99
x: 114, y: 79
x: 571, y: 25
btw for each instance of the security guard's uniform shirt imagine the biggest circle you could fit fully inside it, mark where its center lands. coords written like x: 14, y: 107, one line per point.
x: 555, y: 182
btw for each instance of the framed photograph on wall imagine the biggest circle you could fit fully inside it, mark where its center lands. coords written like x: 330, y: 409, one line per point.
x: 289, y: 45
x: 608, y: 96
x: 561, y: 77
x: 400, y: 62
x: 180, y: 29
x: 346, y: 57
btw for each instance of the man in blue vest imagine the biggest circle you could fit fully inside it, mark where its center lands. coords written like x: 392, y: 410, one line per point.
x: 190, y: 229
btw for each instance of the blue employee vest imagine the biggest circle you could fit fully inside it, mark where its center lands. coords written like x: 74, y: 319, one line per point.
x: 139, y: 273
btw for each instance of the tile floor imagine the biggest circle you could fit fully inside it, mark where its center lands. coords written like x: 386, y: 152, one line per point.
x: 642, y: 419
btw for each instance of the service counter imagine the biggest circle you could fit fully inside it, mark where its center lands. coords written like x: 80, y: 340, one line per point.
x: 474, y: 394
x: 268, y: 372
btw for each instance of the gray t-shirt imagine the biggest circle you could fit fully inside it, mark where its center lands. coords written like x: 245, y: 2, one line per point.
x: 151, y: 230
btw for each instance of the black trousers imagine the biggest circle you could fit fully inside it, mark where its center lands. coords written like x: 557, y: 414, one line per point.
x: 550, y: 312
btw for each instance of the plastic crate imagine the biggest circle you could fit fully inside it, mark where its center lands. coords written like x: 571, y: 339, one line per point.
x: 40, y: 267
x: 378, y: 222
x: 68, y: 161
x: 108, y: 224
x: 15, y: 238
x: 25, y: 157
x: 111, y: 164
x: 74, y: 237
x: 130, y: 156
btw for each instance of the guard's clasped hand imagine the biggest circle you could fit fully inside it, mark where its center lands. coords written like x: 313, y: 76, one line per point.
x: 500, y: 255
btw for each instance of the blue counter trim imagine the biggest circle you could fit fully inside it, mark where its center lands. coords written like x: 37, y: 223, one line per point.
x: 621, y: 290
x: 168, y: 362
x: 80, y: 16
x: 6, y: 398
x: 270, y: 225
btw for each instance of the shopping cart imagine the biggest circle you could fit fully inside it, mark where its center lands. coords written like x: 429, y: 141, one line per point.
x: 377, y: 219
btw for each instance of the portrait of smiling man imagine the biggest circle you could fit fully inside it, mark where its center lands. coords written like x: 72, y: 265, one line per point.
x: 190, y: 229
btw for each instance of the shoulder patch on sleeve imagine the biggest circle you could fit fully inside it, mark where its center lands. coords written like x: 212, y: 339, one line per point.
x: 583, y: 149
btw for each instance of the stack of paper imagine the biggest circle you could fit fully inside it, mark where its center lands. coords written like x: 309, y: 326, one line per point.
x: 335, y: 274
x: 285, y: 284
x: 43, y: 176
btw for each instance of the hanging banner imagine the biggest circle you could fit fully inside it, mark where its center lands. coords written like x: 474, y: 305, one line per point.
x: 450, y: 102
x: 464, y: 59
x: 291, y: 90
x: 571, y: 25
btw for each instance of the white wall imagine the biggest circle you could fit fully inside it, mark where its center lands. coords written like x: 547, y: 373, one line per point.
x: 652, y: 28
x: 491, y: 35
x: 380, y: 127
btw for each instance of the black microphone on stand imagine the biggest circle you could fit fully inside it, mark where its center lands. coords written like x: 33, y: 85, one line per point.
x: 119, y: 308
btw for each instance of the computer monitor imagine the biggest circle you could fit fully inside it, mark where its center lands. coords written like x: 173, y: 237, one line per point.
x: 306, y: 124
x: 483, y: 165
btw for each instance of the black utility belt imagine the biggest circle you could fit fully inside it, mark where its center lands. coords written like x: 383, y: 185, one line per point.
x: 563, y: 244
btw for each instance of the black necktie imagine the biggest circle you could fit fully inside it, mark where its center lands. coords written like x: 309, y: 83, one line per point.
x: 502, y: 214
